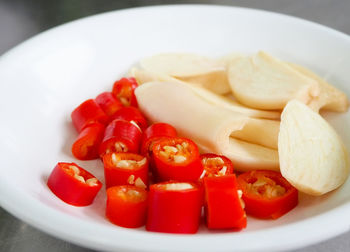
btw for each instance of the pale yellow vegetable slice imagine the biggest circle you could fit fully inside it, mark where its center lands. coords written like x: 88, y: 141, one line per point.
x: 181, y: 64
x: 312, y: 155
x: 143, y: 76
x: 208, y: 125
x: 248, y: 156
x: 260, y: 131
x: 216, y: 82
x: 264, y: 82
x: 330, y: 98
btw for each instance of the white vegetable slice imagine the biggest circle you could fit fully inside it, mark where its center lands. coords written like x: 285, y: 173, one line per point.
x: 216, y: 82
x: 181, y: 64
x: 312, y: 155
x: 208, y: 125
x: 144, y: 76
x: 264, y: 82
x: 330, y: 97
x: 259, y: 131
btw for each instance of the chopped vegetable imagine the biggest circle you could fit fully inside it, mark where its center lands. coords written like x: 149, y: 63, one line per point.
x: 267, y: 194
x: 126, y: 206
x: 215, y: 165
x: 87, y: 113
x: 125, y: 168
x: 87, y: 144
x: 120, y: 136
x: 73, y: 184
x: 174, y: 207
x: 108, y: 103
x: 132, y: 115
x: 223, y: 205
x: 123, y: 90
x: 177, y: 159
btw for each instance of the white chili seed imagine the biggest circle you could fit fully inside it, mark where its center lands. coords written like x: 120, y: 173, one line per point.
x: 131, y: 179
x: 134, y: 123
x: 139, y: 183
x: 170, y: 149
x: 80, y: 178
x: 91, y: 182
x: 179, y: 158
x: 75, y: 169
x: 142, y: 162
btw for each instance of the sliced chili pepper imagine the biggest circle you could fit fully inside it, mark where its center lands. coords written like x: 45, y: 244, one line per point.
x: 120, y: 136
x: 131, y: 114
x: 87, y: 113
x: 223, y: 206
x: 108, y: 103
x: 174, y: 207
x: 177, y: 159
x: 73, y: 184
x: 153, y: 133
x: 87, y: 144
x: 215, y: 165
x: 125, y: 168
x: 123, y: 90
x: 267, y: 194
x: 126, y: 206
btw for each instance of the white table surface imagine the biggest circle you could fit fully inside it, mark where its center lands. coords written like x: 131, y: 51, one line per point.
x: 22, y: 19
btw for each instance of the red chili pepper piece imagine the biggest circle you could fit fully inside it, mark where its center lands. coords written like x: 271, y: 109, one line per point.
x: 174, y: 207
x: 153, y: 133
x: 108, y: 103
x: 126, y: 206
x: 215, y: 165
x: 87, y: 113
x: 267, y: 194
x: 125, y: 168
x: 177, y: 159
x: 87, y: 144
x: 123, y: 90
x: 73, y: 184
x: 223, y: 206
x: 120, y: 136
x: 131, y: 114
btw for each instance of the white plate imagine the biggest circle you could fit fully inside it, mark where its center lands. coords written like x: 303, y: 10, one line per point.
x: 43, y: 79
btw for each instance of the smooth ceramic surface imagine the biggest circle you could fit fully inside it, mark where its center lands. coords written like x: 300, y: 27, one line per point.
x: 45, y: 77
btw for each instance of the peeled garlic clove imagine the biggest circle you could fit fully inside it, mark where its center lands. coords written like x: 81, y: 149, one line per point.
x: 312, y: 155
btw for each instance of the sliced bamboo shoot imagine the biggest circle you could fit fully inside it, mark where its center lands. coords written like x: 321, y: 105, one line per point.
x: 330, y: 97
x: 208, y: 125
x: 264, y: 82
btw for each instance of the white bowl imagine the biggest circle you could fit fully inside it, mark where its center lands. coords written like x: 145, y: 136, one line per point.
x: 43, y: 79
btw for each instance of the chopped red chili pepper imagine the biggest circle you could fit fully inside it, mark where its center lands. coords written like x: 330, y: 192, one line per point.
x: 223, y: 205
x: 126, y: 206
x: 125, y: 168
x: 177, y: 159
x: 174, y: 207
x: 87, y: 113
x: 153, y: 133
x: 267, y: 194
x: 73, y: 184
x: 131, y: 114
x: 87, y: 144
x: 123, y: 90
x: 215, y: 165
x: 120, y: 136
x: 108, y: 103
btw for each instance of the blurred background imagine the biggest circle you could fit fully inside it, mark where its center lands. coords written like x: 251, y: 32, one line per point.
x: 22, y: 19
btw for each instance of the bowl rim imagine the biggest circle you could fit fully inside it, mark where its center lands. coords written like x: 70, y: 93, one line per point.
x: 313, y: 230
